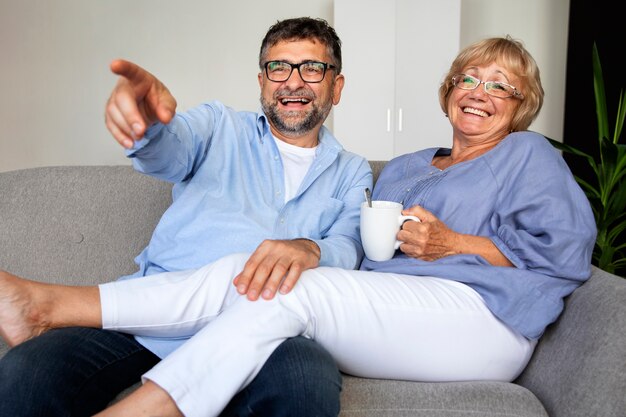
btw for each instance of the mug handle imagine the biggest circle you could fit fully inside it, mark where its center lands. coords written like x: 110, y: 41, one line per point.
x: 401, y: 221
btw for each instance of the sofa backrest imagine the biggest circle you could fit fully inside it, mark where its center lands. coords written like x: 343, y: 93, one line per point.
x: 77, y: 225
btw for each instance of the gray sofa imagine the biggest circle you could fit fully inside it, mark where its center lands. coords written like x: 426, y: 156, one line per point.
x: 83, y: 225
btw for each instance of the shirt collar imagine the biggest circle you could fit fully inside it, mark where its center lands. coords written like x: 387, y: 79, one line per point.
x: 327, y: 142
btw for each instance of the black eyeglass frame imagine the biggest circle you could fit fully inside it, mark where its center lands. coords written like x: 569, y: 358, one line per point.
x: 325, y: 65
x: 516, y: 93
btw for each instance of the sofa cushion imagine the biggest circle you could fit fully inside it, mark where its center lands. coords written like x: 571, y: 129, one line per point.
x: 387, y: 398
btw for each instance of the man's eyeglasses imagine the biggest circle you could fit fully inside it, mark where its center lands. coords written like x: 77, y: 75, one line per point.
x: 493, y: 88
x: 310, y: 71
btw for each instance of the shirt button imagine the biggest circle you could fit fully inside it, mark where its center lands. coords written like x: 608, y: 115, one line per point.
x: 282, y: 220
x: 275, y: 157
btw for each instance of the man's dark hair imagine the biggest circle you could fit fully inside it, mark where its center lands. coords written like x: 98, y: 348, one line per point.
x: 302, y: 28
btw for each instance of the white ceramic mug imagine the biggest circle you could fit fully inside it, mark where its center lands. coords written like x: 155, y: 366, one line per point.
x: 379, y: 226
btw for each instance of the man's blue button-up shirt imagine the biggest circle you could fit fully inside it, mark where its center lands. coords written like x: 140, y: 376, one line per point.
x: 228, y: 194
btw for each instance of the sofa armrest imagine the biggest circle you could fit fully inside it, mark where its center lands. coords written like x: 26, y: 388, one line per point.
x: 579, y: 365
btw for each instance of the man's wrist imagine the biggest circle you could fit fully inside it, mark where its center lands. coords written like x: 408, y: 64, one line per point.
x: 312, y: 245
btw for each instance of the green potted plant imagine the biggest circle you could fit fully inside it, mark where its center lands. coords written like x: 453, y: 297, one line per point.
x: 607, y: 191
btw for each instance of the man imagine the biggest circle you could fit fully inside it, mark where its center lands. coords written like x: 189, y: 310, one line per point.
x: 274, y: 183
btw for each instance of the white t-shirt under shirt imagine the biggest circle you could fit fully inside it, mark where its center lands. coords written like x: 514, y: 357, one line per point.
x: 296, y: 163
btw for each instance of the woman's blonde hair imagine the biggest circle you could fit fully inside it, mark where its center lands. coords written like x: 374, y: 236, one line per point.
x: 512, y: 55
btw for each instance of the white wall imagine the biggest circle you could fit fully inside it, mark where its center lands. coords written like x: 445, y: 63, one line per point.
x: 54, y: 77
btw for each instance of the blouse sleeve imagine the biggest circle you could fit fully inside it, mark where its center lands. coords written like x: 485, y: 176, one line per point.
x: 543, y: 221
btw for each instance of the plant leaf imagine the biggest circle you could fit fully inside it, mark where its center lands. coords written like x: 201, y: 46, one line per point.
x: 616, y: 231
x: 621, y: 115
x: 570, y: 149
x: 598, y: 88
x: 608, y: 196
x: 591, y: 192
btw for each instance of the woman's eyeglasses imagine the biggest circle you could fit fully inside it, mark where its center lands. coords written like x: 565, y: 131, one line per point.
x: 493, y: 88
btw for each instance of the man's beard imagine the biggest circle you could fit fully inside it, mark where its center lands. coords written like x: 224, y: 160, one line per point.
x: 295, y: 123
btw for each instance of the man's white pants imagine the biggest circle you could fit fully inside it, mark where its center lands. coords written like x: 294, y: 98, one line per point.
x: 376, y: 325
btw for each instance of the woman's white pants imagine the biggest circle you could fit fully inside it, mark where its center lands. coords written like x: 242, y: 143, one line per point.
x: 376, y: 325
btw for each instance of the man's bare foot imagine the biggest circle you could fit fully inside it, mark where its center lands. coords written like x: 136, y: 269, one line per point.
x: 20, y: 319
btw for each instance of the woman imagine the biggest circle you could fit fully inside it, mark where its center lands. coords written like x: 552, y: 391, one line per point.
x: 505, y: 235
